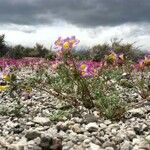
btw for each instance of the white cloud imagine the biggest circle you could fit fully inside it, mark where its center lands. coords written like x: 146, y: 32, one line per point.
x: 46, y: 35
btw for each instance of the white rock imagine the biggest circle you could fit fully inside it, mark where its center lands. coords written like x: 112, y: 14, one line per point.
x: 20, y: 145
x: 96, y: 114
x: 125, y: 145
x: 91, y: 127
x: 87, y: 141
x: 131, y: 134
x: 102, y: 125
x: 94, y: 146
x: 109, y: 148
x: 114, y: 131
x: 136, y: 147
x: 29, y: 123
x: 135, y: 141
x: 107, y: 122
x: 144, y: 145
x: 3, y: 142
x: 42, y: 121
x: 135, y: 112
x: 148, y: 138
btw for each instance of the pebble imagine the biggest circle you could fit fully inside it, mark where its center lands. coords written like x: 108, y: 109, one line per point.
x: 87, y: 141
x: 42, y: 121
x: 94, y: 146
x: 32, y: 134
x: 125, y: 146
x: 148, y: 138
x: 91, y: 127
x: 107, y: 122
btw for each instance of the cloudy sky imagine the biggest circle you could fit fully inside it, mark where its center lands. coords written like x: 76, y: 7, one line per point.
x: 92, y: 21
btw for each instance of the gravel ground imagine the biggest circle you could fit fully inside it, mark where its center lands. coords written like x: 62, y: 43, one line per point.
x: 80, y: 130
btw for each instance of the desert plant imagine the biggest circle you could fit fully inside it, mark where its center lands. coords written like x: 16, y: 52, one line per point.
x: 98, y: 52
x: 110, y: 105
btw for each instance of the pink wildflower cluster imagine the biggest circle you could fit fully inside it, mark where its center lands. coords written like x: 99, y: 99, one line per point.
x: 89, y: 68
x: 145, y: 62
x: 66, y: 44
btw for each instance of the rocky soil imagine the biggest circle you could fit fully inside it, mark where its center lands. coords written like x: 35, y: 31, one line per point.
x: 81, y: 129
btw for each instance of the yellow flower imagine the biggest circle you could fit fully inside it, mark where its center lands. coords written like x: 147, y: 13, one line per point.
x: 3, y: 87
x: 6, y: 77
x: 111, y: 58
x: 66, y: 45
x: 146, y: 61
x: 83, y: 66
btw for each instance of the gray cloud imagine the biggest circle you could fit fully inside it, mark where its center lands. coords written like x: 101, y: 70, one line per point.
x: 88, y: 13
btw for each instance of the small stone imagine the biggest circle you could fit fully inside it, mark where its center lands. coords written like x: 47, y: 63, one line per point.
x: 37, y: 140
x: 108, y: 144
x: 113, y: 131
x: 20, y: 145
x: 76, y: 120
x: 107, y: 122
x: 94, y: 146
x: 96, y: 114
x: 87, y: 141
x: 109, y: 148
x: 76, y: 128
x: 73, y: 137
x: 62, y: 126
x: 144, y: 145
x: 18, y: 130
x: 32, y: 134
x: 125, y: 146
x: 111, y: 126
x: 121, y: 136
x: 16, y: 138
x: 90, y: 118
x: 138, y: 130
x: 42, y: 121
x: 136, y: 147
x: 11, y: 124
x: 46, y: 142
x: 62, y: 134
x: 67, y: 147
x: 30, y: 124
x: 135, y: 112
x: 10, y: 139
x: 135, y: 141
x: 145, y: 127
x: 46, y: 112
x: 91, y: 127
x: 131, y: 134
x: 56, y: 144
x: 103, y: 126
x: 77, y: 147
x: 31, y: 145
x: 81, y: 137
x: 148, y: 138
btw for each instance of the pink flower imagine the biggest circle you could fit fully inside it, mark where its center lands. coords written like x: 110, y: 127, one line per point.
x: 87, y: 69
x: 147, y: 60
x: 139, y: 66
x: 66, y: 44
